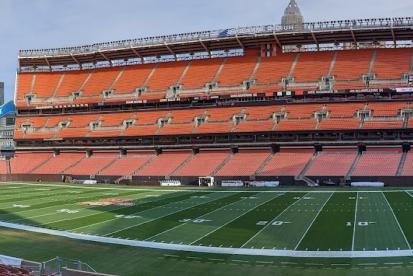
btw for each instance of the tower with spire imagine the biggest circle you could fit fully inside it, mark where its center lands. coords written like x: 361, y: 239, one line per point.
x: 292, y: 16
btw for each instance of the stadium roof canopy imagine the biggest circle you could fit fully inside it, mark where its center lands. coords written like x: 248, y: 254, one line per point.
x: 316, y: 33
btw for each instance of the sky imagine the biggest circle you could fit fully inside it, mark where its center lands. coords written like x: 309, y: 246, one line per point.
x: 34, y: 24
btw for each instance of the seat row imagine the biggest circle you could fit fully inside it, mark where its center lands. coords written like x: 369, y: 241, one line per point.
x: 294, y: 117
x: 154, y: 80
x: 220, y: 163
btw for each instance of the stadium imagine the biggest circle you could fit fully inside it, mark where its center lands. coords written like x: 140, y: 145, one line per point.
x: 278, y: 149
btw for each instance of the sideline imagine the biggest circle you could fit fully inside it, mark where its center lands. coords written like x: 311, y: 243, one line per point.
x: 213, y: 250
x: 229, y: 190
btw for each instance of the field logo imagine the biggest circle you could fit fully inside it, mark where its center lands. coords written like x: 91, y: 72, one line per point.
x: 68, y: 211
x: 20, y: 206
x: 198, y: 221
x: 128, y: 216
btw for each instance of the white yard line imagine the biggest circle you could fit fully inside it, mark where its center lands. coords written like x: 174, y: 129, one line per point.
x: 180, y: 210
x: 269, y: 224
x: 225, y: 224
x: 214, y: 250
x: 355, y: 222
x: 311, y: 224
x: 63, y: 205
x: 204, y: 215
x: 394, y: 215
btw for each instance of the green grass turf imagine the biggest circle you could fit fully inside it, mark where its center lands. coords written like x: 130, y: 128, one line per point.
x: 333, y: 228
x: 311, y: 219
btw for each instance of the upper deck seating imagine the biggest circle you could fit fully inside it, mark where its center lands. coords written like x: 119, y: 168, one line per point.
x: 273, y: 69
x: 166, y: 75
x: 133, y: 77
x: 99, y: 81
x: 72, y: 82
x: 236, y: 70
x: 392, y: 63
x: 201, y: 72
x: 352, y: 64
x: 45, y: 84
x: 379, y: 162
x: 244, y: 163
x: 312, y: 66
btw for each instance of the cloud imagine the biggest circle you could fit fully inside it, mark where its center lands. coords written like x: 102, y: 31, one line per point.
x: 50, y: 23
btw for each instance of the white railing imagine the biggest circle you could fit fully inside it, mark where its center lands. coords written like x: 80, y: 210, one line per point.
x: 221, y: 34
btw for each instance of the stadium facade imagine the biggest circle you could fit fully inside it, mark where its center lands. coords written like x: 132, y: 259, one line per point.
x: 299, y: 103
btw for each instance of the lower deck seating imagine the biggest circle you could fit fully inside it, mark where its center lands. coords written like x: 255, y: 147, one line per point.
x: 203, y: 164
x: 332, y: 163
x: 27, y: 162
x: 408, y: 165
x: 244, y: 163
x: 93, y: 165
x: 378, y: 163
x: 58, y: 164
x: 287, y: 163
x: 165, y: 164
x: 127, y: 165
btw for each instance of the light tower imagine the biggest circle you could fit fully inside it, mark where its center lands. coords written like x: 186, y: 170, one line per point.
x: 292, y: 17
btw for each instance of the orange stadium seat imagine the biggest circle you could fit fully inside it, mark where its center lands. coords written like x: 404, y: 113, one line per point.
x: 168, y: 161
x: 383, y: 124
x: 311, y: 66
x: 166, y: 75
x: 203, y: 164
x: 100, y: 80
x: 288, y: 162
x: 339, y: 124
x: 273, y: 69
x: 236, y: 70
x: 392, y: 63
x: 297, y: 125
x: 352, y: 64
x: 126, y: 166
x: 94, y: 164
x: 201, y: 72
x: 332, y: 163
x: 72, y: 82
x: 59, y: 163
x: 133, y: 77
x: 46, y: 84
x: 26, y: 162
x: 244, y: 163
x: 378, y: 162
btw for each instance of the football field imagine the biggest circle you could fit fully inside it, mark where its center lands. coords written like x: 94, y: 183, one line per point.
x: 340, y: 223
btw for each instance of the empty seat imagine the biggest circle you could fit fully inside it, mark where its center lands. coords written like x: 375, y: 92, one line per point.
x: 244, y: 163
x: 378, y: 162
x: 332, y: 163
x: 27, y: 162
x: 203, y: 164
x: 127, y: 165
x: 165, y: 164
x: 59, y: 163
x: 93, y: 165
x: 287, y: 162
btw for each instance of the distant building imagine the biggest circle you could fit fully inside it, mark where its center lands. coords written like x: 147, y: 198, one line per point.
x: 292, y: 17
x: 7, y: 122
